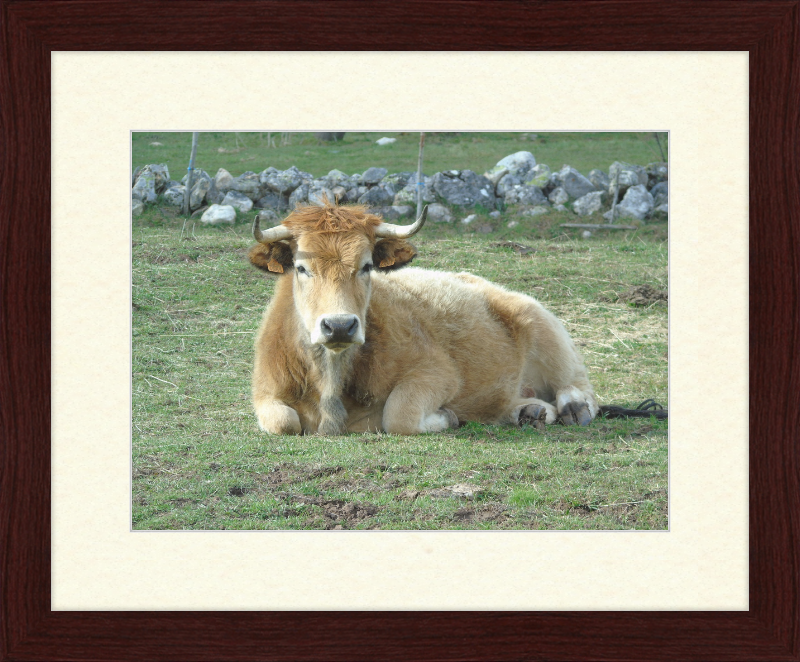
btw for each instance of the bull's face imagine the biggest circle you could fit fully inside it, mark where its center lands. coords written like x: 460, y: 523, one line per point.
x: 330, y: 263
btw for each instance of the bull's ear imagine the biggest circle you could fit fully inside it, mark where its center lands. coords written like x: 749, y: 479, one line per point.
x: 274, y: 258
x: 392, y: 253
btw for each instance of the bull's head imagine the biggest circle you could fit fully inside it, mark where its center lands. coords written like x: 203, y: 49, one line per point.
x: 329, y: 253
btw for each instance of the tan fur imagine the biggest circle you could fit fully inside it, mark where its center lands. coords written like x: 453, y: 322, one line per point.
x: 433, y: 342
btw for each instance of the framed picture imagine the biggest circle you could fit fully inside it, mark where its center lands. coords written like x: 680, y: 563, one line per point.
x: 36, y: 629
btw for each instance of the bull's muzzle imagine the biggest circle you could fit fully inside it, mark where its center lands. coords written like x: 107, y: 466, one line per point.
x: 339, y: 329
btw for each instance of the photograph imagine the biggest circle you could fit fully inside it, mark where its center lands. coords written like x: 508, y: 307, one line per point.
x: 399, y: 330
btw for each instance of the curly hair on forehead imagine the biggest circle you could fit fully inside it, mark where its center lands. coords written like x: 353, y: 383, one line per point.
x: 327, y: 217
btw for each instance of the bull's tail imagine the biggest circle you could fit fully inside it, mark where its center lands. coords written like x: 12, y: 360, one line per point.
x: 645, y: 410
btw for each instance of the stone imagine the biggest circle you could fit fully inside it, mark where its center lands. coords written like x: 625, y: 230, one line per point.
x: 339, y: 193
x: 525, y: 195
x: 512, y: 224
x: 629, y: 175
x: 174, y: 195
x: 656, y: 173
x: 373, y: 175
x: 599, y: 179
x: 408, y: 195
x: 218, y: 215
x: 338, y: 178
x: 535, y: 211
x: 438, y: 213
x: 395, y: 212
x: 637, y: 203
x: 199, y: 190
x: 272, y: 200
x: 137, y: 207
x: 300, y: 194
x: 589, y: 204
x: 377, y: 196
x: 144, y: 189
x: 286, y: 181
x: 574, y: 183
x: 558, y: 196
x: 539, y: 175
x: 494, y: 214
x: 469, y: 219
x: 496, y: 174
x: 660, y: 193
x: 507, y: 183
x: 238, y: 201
x: 268, y: 216
x: 519, y: 163
x: 249, y: 184
x: 395, y: 182
x: 318, y: 196
x: 159, y: 173
x: 662, y: 209
x: 560, y: 208
x: 465, y: 189
x: 223, y: 180
x: 385, y: 141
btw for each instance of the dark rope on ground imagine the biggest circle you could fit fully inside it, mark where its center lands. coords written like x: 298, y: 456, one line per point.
x: 646, y: 409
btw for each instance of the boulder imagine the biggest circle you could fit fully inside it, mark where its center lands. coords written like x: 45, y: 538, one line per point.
x: 238, y: 201
x: 218, y: 215
x: 506, y: 183
x: 660, y: 193
x: 589, y: 204
x: 300, y: 194
x: 464, y: 189
x: 272, y: 200
x: 438, y: 213
x: 656, y: 173
x: 518, y: 164
x: 395, y: 212
x: 558, y: 196
x: 249, y: 184
x: 338, y: 178
x: 629, y: 175
x: 599, y: 179
x: 377, y: 196
x: 538, y: 175
x: 144, y: 190
x: 496, y: 174
x: 574, y: 183
x: 395, y: 182
x: 160, y: 174
x: 268, y: 217
x: 408, y: 195
x: 174, y: 195
x: 223, y: 180
x: 283, y: 182
x: 199, y: 190
x: 373, y: 175
x: 538, y: 210
x: 525, y: 195
x: 318, y: 196
x: 637, y: 203
x: 137, y: 207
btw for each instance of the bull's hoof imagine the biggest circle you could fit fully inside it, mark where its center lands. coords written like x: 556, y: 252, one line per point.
x: 534, y: 415
x: 452, y: 419
x: 575, y: 413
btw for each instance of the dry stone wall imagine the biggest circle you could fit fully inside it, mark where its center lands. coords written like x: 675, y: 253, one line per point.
x: 516, y: 184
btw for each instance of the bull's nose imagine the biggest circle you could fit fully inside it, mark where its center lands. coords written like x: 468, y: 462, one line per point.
x: 339, y: 328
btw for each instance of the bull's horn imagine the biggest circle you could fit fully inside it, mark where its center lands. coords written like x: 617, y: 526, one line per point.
x: 273, y: 234
x: 402, y: 231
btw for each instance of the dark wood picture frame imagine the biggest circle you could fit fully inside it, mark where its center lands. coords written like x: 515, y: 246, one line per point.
x: 32, y: 29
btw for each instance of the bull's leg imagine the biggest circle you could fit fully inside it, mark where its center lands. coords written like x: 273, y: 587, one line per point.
x: 576, y: 406
x: 276, y: 417
x: 416, y: 406
x: 531, y: 410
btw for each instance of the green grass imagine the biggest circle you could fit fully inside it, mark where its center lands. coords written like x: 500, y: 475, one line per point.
x: 200, y: 461
x: 477, y: 151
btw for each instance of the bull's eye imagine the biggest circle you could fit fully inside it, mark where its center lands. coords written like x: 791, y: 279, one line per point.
x: 302, y: 270
x: 366, y: 268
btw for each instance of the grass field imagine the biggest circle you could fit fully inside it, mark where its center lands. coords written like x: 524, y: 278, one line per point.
x: 200, y: 461
x: 357, y: 151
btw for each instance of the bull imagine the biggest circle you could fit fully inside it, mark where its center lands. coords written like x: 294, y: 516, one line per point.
x: 351, y: 342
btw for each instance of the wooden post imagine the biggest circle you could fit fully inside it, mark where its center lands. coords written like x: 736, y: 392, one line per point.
x: 616, y: 195
x: 187, y: 194
x: 420, y: 183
